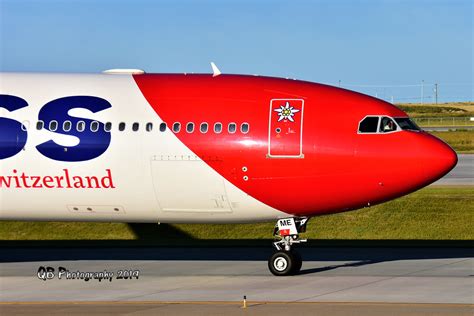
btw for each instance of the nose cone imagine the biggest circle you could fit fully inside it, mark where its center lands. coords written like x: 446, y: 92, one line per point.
x: 438, y: 158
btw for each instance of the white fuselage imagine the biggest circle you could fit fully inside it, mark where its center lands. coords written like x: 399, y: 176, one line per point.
x: 148, y: 176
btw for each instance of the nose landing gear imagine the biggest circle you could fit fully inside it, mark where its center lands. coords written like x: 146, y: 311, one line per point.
x: 286, y: 261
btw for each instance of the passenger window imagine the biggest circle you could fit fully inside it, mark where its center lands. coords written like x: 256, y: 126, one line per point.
x: 39, y: 125
x: 81, y: 126
x: 204, y: 127
x: 108, y: 127
x: 162, y: 127
x: 217, y: 128
x: 387, y: 125
x: 190, y: 127
x: 176, y: 127
x: 25, y: 125
x: 122, y: 126
x: 53, y: 126
x: 244, y: 128
x: 369, y: 125
x: 232, y: 128
x: 135, y: 127
x: 149, y: 127
x: 67, y: 125
x: 94, y: 126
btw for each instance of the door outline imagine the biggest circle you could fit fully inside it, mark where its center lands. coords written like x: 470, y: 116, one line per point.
x: 220, y: 199
x: 269, y: 155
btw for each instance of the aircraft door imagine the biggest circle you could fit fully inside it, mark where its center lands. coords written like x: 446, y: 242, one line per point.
x: 187, y: 184
x: 285, y: 133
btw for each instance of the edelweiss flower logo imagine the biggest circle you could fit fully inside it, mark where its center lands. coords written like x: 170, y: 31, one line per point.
x: 286, y: 112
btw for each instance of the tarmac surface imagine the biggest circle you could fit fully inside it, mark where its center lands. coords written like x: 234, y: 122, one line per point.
x: 203, y: 281
x: 232, y: 308
x: 390, y: 281
x: 462, y: 174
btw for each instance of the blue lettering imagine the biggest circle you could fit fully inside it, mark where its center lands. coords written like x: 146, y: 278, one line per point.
x: 91, y: 144
x: 12, y: 136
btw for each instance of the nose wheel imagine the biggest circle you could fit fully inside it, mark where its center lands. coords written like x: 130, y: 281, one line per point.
x: 287, y: 261
x: 283, y: 263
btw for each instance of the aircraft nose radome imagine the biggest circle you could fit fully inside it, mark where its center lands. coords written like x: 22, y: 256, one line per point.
x: 440, y: 157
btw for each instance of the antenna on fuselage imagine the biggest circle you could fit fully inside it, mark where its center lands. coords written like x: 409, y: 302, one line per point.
x: 215, y: 71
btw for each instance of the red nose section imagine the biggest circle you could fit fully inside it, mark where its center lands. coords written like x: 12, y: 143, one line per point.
x: 438, y: 157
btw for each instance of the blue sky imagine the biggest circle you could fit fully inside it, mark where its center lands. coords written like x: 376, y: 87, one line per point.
x: 362, y: 43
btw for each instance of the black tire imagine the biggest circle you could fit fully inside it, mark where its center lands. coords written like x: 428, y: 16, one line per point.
x: 298, y: 262
x: 281, y: 263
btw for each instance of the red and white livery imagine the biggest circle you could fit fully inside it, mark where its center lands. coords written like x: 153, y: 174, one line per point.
x: 198, y: 148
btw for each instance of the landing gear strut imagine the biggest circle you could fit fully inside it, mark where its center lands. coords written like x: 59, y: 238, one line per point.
x: 286, y: 261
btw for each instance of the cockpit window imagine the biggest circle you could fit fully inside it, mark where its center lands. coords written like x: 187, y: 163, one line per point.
x: 406, y: 124
x: 369, y: 125
x: 387, y: 125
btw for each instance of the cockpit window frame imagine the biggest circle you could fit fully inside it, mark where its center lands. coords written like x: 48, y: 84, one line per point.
x: 418, y: 129
x: 378, y: 132
x: 363, y: 119
x: 397, y: 128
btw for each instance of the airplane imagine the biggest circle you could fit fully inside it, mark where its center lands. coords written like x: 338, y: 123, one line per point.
x: 128, y: 146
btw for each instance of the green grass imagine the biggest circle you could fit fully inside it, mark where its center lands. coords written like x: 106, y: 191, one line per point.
x: 459, y: 109
x: 460, y: 141
x: 457, y: 122
x: 433, y: 111
x: 434, y: 213
x: 445, y: 114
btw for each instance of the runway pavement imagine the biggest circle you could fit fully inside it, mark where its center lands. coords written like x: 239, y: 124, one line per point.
x: 462, y: 174
x: 389, y: 280
x: 203, y: 281
x: 233, y: 308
